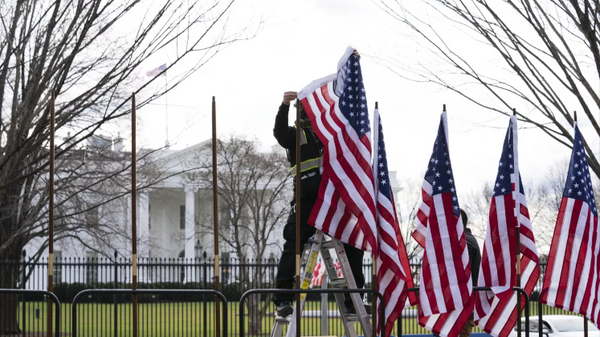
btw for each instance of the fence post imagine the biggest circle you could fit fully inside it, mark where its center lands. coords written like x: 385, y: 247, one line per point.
x: 24, y: 275
x: 204, y: 277
x: 115, y: 302
x: 324, y: 307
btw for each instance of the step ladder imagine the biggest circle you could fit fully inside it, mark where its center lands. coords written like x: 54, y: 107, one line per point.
x: 320, y: 243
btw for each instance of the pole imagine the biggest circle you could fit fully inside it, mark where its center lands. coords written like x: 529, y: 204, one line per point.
x: 116, y: 309
x: 133, y: 219
x: 298, y: 218
x: 517, y: 215
x: 166, y: 112
x: 374, y: 258
x: 215, y: 211
x: 324, y: 307
x: 51, y: 215
x: 24, y: 306
x: 204, y: 313
x: 585, y: 321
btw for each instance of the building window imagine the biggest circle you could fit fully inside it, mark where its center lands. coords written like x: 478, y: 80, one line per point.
x: 91, y: 217
x: 57, y: 269
x: 91, y: 267
x: 182, y: 217
x: 149, y: 217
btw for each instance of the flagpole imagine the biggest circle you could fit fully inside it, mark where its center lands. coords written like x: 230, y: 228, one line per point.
x: 51, y: 214
x: 298, y: 218
x: 585, y: 321
x: 166, y: 111
x: 517, y: 214
x: 374, y: 262
x: 133, y: 219
x: 215, y: 210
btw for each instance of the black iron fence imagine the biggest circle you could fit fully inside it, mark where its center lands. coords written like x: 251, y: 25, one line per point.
x: 73, y: 275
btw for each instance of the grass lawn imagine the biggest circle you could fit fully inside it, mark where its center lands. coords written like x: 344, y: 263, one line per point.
x: 182, y: 319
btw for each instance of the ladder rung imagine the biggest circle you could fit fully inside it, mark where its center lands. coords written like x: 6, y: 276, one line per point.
x: 327, y: 244
x: 339, y: 283
x: 353, y: 318
x: 284, y: 320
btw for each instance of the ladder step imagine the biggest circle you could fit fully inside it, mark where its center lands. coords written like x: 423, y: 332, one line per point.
x: 284, y: 320
x: 353, y: 318
x: 339, y: 283
x: 327, y: 244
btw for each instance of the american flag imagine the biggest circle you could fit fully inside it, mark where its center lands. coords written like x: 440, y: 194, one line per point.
x: 337, y: 108
x: 160, y: 70
x: 393, y: 269
x: 445, y: 290
x: 496, y: 310
x: 317, y: 277
x: 571, y: 280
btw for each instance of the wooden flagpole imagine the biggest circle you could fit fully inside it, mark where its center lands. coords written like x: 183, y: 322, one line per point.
x: 215, y: 211
x: 298, y: 218
x: 518, y: 234
x: 133, y: 218
x: 51, y: 215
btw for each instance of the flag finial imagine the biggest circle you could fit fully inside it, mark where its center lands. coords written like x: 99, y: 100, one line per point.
x: 514, y: 112
x: 376, y: 105
x: 575, y: 116
x: 444, y: 108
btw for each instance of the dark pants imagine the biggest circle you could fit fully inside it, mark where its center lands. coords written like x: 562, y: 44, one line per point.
x: 286, y: 271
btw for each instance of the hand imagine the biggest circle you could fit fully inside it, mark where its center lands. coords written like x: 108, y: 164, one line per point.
x: 356, y: 53
x: 289, y: 96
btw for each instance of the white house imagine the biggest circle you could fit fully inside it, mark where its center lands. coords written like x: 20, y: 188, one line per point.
x: 173, y: 215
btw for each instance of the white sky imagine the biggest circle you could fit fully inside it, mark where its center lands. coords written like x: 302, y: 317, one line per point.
x: 302, y: 41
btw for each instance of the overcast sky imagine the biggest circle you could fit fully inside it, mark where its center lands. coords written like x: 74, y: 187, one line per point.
x: 302, y: 41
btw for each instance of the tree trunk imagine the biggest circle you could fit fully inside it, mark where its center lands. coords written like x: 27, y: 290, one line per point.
x: 9, y: 303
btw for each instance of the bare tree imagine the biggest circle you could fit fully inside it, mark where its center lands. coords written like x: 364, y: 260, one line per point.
x: 408, y: 203
x: 253, y: 195
x: 547, y: 51
x: 89, y: 54
x: 543, y: 202
x: 477, y: 207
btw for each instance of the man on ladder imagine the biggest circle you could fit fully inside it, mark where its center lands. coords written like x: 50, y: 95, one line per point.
x: 311, y: 151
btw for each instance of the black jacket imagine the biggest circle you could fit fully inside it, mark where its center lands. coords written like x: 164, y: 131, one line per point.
x: 312, y: 149
x: 474, y: 255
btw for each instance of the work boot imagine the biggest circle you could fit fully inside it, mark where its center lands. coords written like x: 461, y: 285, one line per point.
x: 284, y: 309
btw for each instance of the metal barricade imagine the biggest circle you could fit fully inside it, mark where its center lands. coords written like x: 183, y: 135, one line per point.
x: 50, y: 296
x: 88, y: 292
x: 517, y: 289
x: 381, y: 315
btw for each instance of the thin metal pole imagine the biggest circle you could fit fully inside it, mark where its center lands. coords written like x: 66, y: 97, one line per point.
x: 51, y: 215
x: 215, y: 211
x: 374, y: 273
x: 298, y: 218
x: 517, y: 207
x: 324, y: 307
x: 133, y: 219
x: 204, y: 307
x: 24, y: 305
x: 115, y: 303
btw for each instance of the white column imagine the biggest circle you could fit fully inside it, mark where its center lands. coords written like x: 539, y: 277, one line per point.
x: 143, y: 225
x: 190, y: 235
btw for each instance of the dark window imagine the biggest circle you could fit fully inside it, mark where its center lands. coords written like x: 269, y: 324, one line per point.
x: 91, y: 217
x: 91, y: 267
x: 182, y: 217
